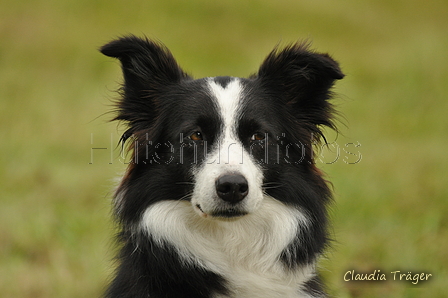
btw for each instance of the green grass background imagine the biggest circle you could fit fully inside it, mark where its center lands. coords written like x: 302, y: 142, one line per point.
x: 390, y: 210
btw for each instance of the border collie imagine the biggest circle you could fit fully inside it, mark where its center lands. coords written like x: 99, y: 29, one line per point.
x: 222, y: 197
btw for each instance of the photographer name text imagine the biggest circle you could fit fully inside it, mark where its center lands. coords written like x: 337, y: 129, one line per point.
x: 377, y: 275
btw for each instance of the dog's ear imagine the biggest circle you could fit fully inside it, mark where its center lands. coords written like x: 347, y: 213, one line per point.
x: 302, y: 79
x: 148, y: 69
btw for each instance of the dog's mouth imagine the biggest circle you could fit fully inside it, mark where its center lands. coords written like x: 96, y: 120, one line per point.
x: 229, y: 213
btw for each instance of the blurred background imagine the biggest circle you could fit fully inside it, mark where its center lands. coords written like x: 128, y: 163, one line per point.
x: 388, y: 165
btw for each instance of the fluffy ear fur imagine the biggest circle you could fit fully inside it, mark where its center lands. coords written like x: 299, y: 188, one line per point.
x: 302, y: 79
x: 148, y: 68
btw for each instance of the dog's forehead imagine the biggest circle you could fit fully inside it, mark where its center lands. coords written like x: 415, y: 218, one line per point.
x: 227, y: 93
x: 229, y: 101
x: 239, y: 99
x: 223, y: 81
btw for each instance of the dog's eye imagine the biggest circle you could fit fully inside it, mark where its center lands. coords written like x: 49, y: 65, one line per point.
x: 196, y: 136
x: 258, y: 136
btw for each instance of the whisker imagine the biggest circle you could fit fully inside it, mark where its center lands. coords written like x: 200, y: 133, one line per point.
x: 267, y: 183
x: 185, y: 182
x: 271, y: 185
x: 187, y: 196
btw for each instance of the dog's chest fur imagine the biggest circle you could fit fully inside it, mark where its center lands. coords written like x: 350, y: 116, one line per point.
x: 246, y: 252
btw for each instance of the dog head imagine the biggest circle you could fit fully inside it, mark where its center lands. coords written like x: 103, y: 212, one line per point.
x: 221, y: 143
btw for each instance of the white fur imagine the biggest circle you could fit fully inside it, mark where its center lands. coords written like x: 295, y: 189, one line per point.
x: 228, y: 156
x: 245, y: 251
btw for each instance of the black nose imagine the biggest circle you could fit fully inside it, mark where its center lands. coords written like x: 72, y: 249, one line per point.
x: 232, y: 188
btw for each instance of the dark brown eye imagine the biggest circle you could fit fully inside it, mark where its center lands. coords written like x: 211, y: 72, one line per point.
x: 258, y: 136
x: 196, y: 136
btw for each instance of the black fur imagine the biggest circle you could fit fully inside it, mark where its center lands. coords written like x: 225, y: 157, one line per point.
x: 287, y: 98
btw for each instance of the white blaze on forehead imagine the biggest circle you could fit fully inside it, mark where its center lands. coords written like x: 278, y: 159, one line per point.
x: 228, y: 99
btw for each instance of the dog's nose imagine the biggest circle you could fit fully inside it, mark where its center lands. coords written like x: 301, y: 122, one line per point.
x: 232, y: 188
